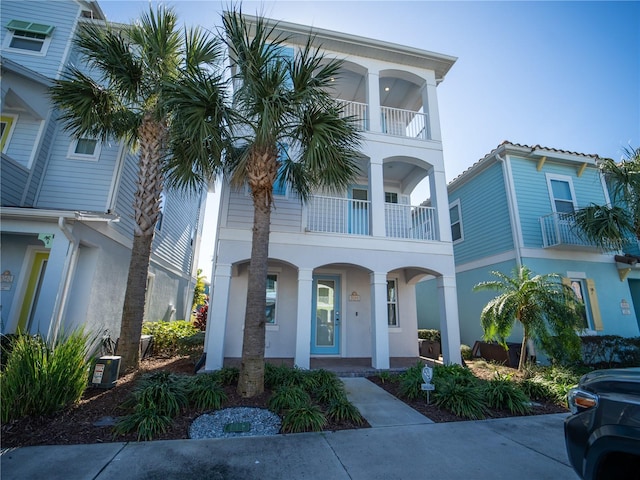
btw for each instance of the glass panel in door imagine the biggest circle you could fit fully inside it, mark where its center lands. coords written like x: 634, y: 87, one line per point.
x: 325, y: 322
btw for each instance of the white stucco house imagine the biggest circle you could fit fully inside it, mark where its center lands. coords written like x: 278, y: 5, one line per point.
x: 343, y: 269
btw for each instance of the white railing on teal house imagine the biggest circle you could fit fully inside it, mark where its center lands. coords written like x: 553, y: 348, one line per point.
x: 404, y: 123
x: 349, y: 216
x: 561, y: 229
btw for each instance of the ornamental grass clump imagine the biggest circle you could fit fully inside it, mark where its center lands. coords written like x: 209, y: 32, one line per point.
x: 461, y: 398
x: 503, y: 393
x: 288, y: 397
x: 342, y: 410
x: 206, y: 392
x: 280, y: 375
x: 411, y: 382
x: 42, y: 377
x: 303, y: 418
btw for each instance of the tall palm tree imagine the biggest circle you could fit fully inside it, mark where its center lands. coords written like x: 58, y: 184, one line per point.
x: 611, y: 227
x: 540, y: 303
x: 157, y: 87
x: 287, y: 128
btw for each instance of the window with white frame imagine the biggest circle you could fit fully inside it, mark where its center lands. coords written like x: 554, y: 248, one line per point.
x: 456, y: 222
x: 392, y: 303
x: 28, y: 37
x: 561, y: 193
x: 163, y: 201
x: 84, y: 148
x: 7, y: 124
x: 579, y: 287
x: 272, y: 298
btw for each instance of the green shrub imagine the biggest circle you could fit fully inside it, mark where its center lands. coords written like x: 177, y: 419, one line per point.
x: 314, y: 379
x: 169, y: 338
x: 287, y: 397
x: 463, y: 399
x: 146, y: 420
x: 43, y: 377
x: 227, y: 375
x: 303, y: 418
x: 502, y: 392
x: 328, y: 392
x: 165, y: 391
x: 205, y: 391
x: 280, y: 375
x: 411, y: 382
x: 466, y: 352
x: 342, y: 410
x: 454, y: 372
x: 607, y: 351
x: 429, y: 334
x: 537, y: 388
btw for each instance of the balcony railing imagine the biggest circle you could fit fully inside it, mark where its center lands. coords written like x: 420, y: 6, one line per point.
x: 356, y: 110
x: 561, y: 229
x: 405, y: 221
x: 404, y: 123
x: 349, y: 216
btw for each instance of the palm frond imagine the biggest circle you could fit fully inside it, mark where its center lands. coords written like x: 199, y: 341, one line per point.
x: 609, y: 228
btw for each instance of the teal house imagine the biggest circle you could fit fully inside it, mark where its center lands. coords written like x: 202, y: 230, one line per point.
x: 514, y: 207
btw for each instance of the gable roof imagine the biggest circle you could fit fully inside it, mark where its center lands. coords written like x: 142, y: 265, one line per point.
x: 536, y: 151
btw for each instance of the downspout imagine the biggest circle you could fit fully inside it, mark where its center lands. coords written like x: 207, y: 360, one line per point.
x: 61, y: 300
x: 506, y: 171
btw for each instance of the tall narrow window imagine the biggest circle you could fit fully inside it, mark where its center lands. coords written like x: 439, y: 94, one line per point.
x: 579, y: 289
x: 163, y: 201
x: 561, y: 195
x: 272, y: 294
x: 392, y: 303
x: 456, y: 221
x: 7, y: 124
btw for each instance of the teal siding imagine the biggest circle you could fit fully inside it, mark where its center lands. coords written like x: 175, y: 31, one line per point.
x: 62, y: 15
x: 12, y: 182
x: 77, y: 184
x: 533, y: 197
x: 485, y: 216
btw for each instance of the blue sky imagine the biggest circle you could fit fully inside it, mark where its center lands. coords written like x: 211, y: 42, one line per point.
x: 563, y: 75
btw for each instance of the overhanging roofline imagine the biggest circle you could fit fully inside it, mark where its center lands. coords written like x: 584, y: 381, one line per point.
x: 21, y: 213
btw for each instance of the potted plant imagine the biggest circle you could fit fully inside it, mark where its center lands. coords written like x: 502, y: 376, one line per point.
x: 429, y: 343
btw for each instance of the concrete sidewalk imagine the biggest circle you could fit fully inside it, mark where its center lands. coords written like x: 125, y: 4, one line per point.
x: 399, y: 446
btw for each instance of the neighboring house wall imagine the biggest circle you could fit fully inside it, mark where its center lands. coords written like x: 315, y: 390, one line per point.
x: 519, y: 177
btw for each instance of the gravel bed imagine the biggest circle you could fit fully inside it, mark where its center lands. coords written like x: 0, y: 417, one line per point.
x: 211, y: 425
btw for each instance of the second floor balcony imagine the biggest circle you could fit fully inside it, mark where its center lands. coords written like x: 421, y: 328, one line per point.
x: 353, y: 217
x: 394, y: 121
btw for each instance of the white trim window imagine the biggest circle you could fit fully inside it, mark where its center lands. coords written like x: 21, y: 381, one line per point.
x: 85, y: 148
x: 163, y: 203
x: 8, y: 123
x: 392, y: 303
x: 455, y: 216
x: 561, y: 194
x: 272, y: 299
x: 28, y: 37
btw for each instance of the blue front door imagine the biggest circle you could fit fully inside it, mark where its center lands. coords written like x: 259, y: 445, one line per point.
x: 325, y: 315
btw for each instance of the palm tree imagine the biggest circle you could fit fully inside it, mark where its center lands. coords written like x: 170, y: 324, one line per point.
x: 541, y: 303
x: 287, y: 128
x: 612, y: 227
x: 142, y: 90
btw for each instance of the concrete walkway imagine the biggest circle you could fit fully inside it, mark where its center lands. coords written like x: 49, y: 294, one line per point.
x: 402, y: 445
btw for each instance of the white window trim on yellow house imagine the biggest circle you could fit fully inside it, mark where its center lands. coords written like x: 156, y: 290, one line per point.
x: 10, y: 120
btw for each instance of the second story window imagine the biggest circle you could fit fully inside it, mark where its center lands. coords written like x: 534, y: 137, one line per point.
x: 456, y: 221
x: 84, y: 148
x: 29, y: 37
x: 390, y: 197
x: 561, y: 192
x: 7, y: 124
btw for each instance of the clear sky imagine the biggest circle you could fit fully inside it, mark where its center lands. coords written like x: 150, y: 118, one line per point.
x: 563, y: 75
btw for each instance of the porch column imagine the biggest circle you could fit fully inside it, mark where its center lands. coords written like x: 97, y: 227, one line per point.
x: 430, y: 107
x: 303, y: 326
x: 217, y: 322
x: 440, y: 201
x: 53, y: 286
x: 379, y: 322
x: 373, y: 102
x: 376, y: 194
x: 449, y: 326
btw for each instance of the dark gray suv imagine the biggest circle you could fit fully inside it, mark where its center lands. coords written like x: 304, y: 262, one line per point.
x: 603, y: 433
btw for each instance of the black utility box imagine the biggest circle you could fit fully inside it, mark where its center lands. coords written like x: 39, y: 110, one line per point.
x: 105, y: 372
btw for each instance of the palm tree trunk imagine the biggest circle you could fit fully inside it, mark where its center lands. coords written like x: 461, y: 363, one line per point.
x: 523, y: 352
x: 146, y: 206
x: 251, y: 380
